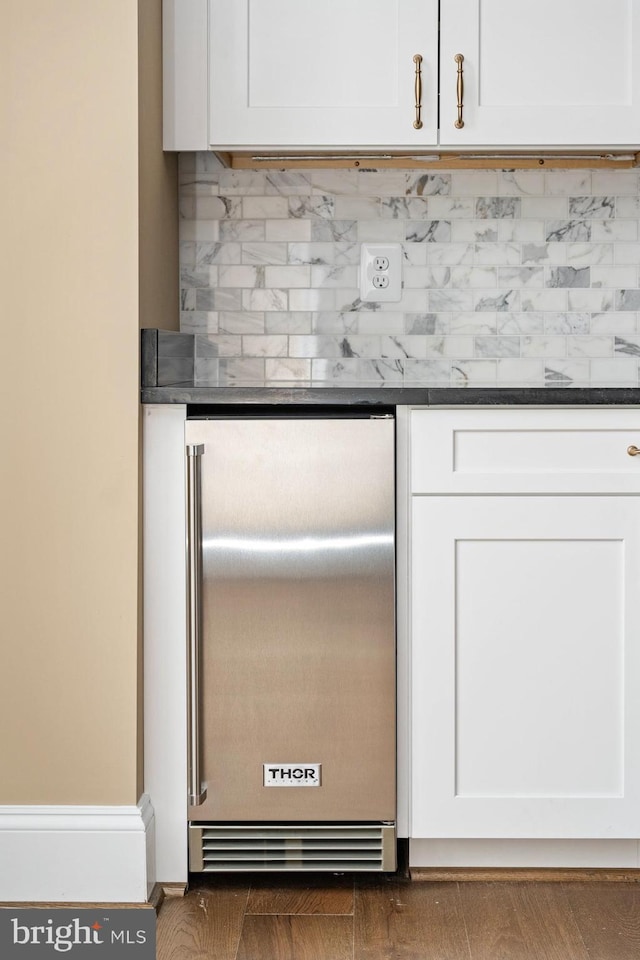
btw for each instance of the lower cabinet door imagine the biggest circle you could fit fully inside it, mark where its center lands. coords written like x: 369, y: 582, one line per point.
x: 526, y: 667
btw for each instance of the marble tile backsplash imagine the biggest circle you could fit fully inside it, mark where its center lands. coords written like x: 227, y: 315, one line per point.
x: 511, y: 277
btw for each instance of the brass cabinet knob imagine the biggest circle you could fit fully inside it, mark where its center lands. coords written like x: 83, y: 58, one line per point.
x: 633, y: 451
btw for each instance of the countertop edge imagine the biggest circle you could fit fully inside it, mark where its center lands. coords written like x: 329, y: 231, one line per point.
x: 393, y: 396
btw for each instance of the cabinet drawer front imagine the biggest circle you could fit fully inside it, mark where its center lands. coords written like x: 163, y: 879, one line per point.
x: 525, y: 451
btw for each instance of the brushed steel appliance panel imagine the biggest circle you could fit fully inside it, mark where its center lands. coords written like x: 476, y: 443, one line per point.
x: 298, y: 639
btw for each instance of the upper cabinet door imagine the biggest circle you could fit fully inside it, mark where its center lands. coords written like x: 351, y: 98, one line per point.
x: 336, y: 73
x: 536, y: 72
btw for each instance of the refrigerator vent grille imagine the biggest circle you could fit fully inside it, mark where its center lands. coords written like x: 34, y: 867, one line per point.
x: 292, y: 847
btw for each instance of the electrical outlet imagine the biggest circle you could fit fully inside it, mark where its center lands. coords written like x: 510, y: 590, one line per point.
x: 380, y: 272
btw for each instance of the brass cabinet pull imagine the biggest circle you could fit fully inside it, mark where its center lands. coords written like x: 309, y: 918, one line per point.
x: 417, y: 123
x: 460, y: 90
x: 633, y: 451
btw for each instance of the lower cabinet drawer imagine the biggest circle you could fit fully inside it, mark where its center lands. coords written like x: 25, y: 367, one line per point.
x: 525, y: 451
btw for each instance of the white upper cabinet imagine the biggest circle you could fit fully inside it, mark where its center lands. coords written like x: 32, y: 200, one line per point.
x: 557, y: 72
x: 298, y: 73
x: 303, y: 73
x: 343, y: 75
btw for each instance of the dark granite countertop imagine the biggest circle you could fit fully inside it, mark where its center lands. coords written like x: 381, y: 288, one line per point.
x: 157, y: 387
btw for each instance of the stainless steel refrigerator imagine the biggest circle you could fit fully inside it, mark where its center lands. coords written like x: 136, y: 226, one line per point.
x: 290, y: 547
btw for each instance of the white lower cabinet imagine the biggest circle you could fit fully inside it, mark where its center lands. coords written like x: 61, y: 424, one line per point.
x: 525, y: 635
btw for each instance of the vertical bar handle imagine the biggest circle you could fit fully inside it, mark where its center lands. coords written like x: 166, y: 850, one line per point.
x: 459, y: 59
x: 197, y: 790
x: 417, y: 123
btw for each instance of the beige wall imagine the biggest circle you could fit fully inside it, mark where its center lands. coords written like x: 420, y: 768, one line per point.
x: 69, y: 296
x: 159, y: 303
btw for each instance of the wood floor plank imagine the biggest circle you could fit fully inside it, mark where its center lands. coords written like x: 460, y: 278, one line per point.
x: 520, y: 921
x: 207, y: 922
x: 308, y: 895
x: 296, y: 938
x: 405, y: 921
x: 608, y: 917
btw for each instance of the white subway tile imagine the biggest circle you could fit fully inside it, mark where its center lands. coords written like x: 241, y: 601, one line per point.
x: 238, y: 276
x: 473, y: 276
x: 543, y: 346
x: 242, y: 182
x: 435, y: 372
x: 616, y: 183
x: 628, y: 207
x: 357, y: 208
x: 450, y: 208
x: 283, y: 369
x: 621, y: 277
x: 264, y: 346
x: 312, y: 299
x: 608, y: 231
x: 370, y: 321
x: 616, y: 372
x: 481, y: 231
x: 381, y: 183
x: 287, y: 276
x: 333, y: 181
x: 545, y: 300
x: 614, y: 323
x: 566, y: 373
x: 226, y: 345
x: 474, y: 183
x: 247, y: 371
x: 528, y: 372
x: 568, y: 183
x: 449, y: 253
x: 593, y: 301
x: 473, y: 323
x: 333, y: 276
x: 448, y: 300
x: 521, y: 230
x: 414, y: 254
x: 445, y: 346
x: 519, y: 183
x: 473, y: 372
x: 385, y: 231
x: 264, y: 299
x: 288, y: 322
x: 626, y: 252
x: 544, y: 208
x: 497, y: 253
x: 406, y: 346
x: 262, y: 253
x: 265, y: 208
x: 293, y: 230
x: 589, y: 346
x: 287, y: 183
x: 521, y: 276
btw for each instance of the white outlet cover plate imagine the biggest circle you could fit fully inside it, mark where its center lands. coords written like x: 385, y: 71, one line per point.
x: 368, y: 254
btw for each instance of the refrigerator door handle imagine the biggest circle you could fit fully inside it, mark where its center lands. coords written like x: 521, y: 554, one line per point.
x: 194, y: 451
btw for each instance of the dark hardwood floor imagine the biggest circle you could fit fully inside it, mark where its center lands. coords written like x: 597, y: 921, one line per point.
x: 339, y: 918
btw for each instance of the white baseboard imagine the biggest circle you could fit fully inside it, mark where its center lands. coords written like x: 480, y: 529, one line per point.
x: 525, y: 853
x: 93, y: 854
